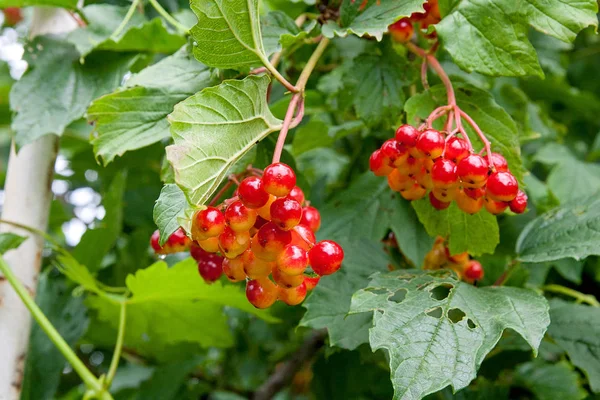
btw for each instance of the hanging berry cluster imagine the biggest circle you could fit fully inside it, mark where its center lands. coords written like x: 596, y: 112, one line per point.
x: 267, y: 230
x: 439, y: 257
x: 403, y: 29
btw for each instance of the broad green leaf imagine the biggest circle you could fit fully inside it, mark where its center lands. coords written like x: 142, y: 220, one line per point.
x: 477, y: 233
x: 169, y: 207
x: 571, y: 230
x: 279, y: 31
x: 498, y: 44
x: 136, y: 116
x: 70, y: 4
x: 375, y: 18
x: 550, y: 381
x: 45, y: 363
x: 215, y: 128
x: 166, y: 380
x: 97, y: 242
x: 57, y: 89
x: 9, y: 241
x: 495, y: 123
x: 228, y: 33
x: 173, y: 305
x: 78, y: 273
x: 570, y: 269
x: 576, y: 328
x: 138, y: 35
x: 310, y: 136
x: 438, y: 330
x: 573, y: 180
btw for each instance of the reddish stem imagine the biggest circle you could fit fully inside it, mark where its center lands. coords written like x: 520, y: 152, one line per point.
x: 221, y: 192
x: 486, y: 142
x: 287, y: 123
x: 424, y: 75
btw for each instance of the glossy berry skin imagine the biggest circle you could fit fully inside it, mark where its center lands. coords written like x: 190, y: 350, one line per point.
x: 378, y: 164
x: 444, y: 195
x: 158, y: 249
x: 502, y: 186
x: 423, y: 178
x: 207, y: 223
x: 265, y: 211
x: 457, y: 149
x: 443, y: 174
x: 252, y: 193
x: 197, y: 252
x: 287, y: 281
x: 261, y: 293
x: 293, y: 260
x: 401, y: 30
x: 254, y: 267
x: 411, y: 167
x: 232, y: 243
x: 499, y: 162
x: 415, y: 192
x: 311, y: 281
x: 519, y: 203
x: 326, y: 257
x: 176, y: 243
x: 473, y: 171
x: 439, y: 205
x: 431, y: 143
x: 473, y: 271
x: 270, y: 241
x: 391, y: 151
x: 311, y: 218
x: 279, y: 179
x: 211, y: 244
x: 303, y: 237
x: 293, y: 296
x: 297, y: 194
x: 475, y: 193
x: 494, y: 207
x: 234, y: 269
x: 239, y: 217
x: 468, y: 204
x: 286, y: 213
x: 210, y: 267
x: 407, y: 135
x: 398, y: 182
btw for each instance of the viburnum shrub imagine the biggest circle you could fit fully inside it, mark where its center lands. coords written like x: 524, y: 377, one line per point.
x: 236, y: 185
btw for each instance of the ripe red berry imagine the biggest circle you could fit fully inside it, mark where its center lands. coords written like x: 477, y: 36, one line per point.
x: 444, y: 195
x: 177, y: 242
x: 443, y: 174
x: 467, y: 203
x: 210, y: 267
x: 286, y: 213
x: 158, y: 249
x: 293, y: 260
x: 379, y: 164
x: 279, y: 179
x: 232, y: 243
x: 431, y: 143
x: 440, y: 205
x: 311, y: 218
x: 270, y: 241
x: 261, y: 293
x: 398, y: 182
x: 326, y: 257
x: 12, y: 16
x: 265, y: 211
x: 252, y: 193
x: 499, y: 162
x: 475, y: 193
x: 474, y: 271
x: 239, y: 217
x: 473, y: 171
x: 407, y: 135
x: 254, y: 267
x: 260, y: 221
x: 234, y: 269
x: 411, y: 167
x: 293, y: 296
x: 401, y: 30
x: 297, y: 194
x: 415, y: 192
x: 456, y: 149
x: 303, y: 237
x: 207, y: 223
x: 519, y: 203
x: 287, y: 281
x: 392, y: 151
x: 311, y: 281
x: 494, y: 207
x: 502, y: 186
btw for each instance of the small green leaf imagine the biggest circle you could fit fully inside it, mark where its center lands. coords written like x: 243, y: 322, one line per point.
x: 228, y: 33
x: 9, y: 241
x: 214, y: 129
x: 169, y: 207
x: 421, y: 318
x: 70, y: 4
x: 571, y: 230
x: 279, y: 32
x: 78, y: 273
x: 550, y: 381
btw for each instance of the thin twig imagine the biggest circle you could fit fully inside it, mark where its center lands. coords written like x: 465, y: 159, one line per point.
x: 486, y: 142
x: 287, y: 122
x: 580, y: 297
x: 168, y: 17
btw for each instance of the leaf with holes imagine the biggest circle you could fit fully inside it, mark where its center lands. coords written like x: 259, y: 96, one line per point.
x: 215, y: 128
x: 438, y: 330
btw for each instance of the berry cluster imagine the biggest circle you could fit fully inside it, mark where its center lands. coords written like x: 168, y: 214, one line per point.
x: 265, y: 230
x: 439, y: 257
x: 403, y: 29
x: 176, y: 243
x: 417, y: 162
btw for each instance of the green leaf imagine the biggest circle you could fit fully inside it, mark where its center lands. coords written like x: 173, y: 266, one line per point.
x: 169, y: 207
x: 9, y: 241
x: 279, y: 31
x: 228, y: 33
x: 477, y: 233
x: 438, y: 330
x: 45, y: 363
x: 139, y: 34
x: 136, y: 116
x: 569, y: 269
x: 97, y: 242
x: 166, y: 380
x: 58, y: 89
x: 375, y: 18
x: 550, y: 381
x: 571, y: 230
x: 70, y: 4
x: 215, y: 128
x: 576, y: 328
x: 499, y: 45
x: 572, y: 180
x: 495, y: 123
x: 173, y: 305
x: 78, y: 273
x: 310, y: 136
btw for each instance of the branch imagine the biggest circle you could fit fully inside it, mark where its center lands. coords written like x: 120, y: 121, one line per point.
x: 287, y: 122
x: 580, y: 297
x: 284, y: 374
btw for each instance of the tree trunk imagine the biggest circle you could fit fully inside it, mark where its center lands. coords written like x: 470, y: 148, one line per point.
x: 27, y: 201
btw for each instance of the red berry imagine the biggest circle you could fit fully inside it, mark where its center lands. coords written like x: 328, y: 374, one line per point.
x: 431, y: 143
x: 423, y: 178
x: 279, y: 179
x: 154, y: 242
x: 379, y: 164
x: 12, y: 16
x: 270, y: 241
x: 293, y: 296
x: 260, y: 221
x: 287, y: 281
x: 401, y: 30
x: 207, y: 223
x: 311, y: 218
x: 252, y: 193
x: 499, y: 162
x: 456, y: 149
x: 265, y: 211
x: 502, y: 186
x: 286, y: 213
x: 473, y: 171
x: 398, y: 182
x: 467, y: 203
x: 303, y: 237
x: 474, y: 271
x: 519, y: 203
x: 261, y: 293
x: 177, y: 242
x: 311, y: 281
x: 233, y: 243
x: 239, y: 217
x: 293, y: 260
x: 234, y: 269
x: 391, y: 150
x: 254, y: 267
x: 494, y: 207
x: 211, y: 244
x: 444, y: 195
x: 410, y: 167
x: 326, y: 257
x: 443, y: 174
x: 475, y: 193
x: 407, y: 135
x: 297, y: 194
x: 415, y: 192
x: 210, y: 267
x: 197, y: 252
x: 440, y: 205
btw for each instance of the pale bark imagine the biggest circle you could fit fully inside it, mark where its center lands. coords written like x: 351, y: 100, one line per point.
x: 27, y: 197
